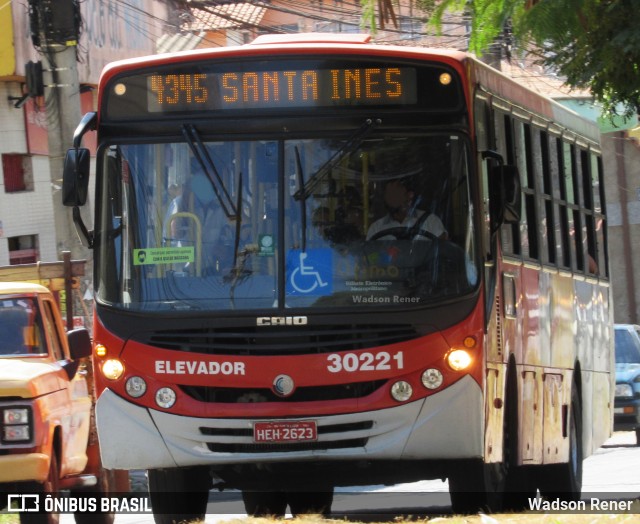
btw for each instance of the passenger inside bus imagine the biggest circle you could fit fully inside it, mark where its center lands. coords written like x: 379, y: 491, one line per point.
x: 403, y: 213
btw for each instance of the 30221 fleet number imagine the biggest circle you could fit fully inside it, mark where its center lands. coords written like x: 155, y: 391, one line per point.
x: 352, y: 362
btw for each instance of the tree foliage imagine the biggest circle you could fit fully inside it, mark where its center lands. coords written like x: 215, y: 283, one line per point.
x: 594, y: 44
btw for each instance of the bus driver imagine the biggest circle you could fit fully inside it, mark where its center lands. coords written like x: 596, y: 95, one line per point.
x: 401, y: 204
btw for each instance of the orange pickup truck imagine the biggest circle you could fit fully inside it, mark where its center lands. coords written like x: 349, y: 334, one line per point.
x: 45, y: 400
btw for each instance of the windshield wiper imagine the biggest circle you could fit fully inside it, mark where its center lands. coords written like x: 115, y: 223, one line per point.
x: 236, y: 240
x: 201, y: 153
x: 350, y: 145
x: 303, y: 201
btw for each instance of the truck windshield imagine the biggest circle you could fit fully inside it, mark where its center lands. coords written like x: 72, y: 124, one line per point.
x: 21, y: 330
x: 304, y: 223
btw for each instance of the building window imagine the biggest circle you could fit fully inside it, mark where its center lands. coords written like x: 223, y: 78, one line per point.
x: 23, y: 250
x: 17, y: 172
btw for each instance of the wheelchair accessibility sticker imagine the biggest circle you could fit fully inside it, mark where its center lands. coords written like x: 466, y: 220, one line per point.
x: 309, y: 272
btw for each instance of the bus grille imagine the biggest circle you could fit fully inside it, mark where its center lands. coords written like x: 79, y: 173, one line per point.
x: 322, y: 430
x: 301, y: 394
x: 298, y: 446
x: 280, y: 340
x: 247, y: 447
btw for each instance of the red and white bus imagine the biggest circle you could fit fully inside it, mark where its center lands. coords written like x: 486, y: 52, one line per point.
x: 321, y: 262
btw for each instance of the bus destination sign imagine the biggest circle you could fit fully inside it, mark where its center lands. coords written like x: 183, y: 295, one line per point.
x: 291, y: 88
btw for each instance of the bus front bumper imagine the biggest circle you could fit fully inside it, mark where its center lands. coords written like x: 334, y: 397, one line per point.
x: 446, y: 425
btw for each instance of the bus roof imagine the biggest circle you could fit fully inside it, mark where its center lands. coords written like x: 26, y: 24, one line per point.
x: 479, y: 74
x: 313, y: 38
x: 265, y: 45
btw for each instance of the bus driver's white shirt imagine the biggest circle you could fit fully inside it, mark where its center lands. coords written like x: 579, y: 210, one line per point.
x: 432, y: 225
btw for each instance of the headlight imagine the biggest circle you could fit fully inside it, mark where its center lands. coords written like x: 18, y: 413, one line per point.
x: 16, y: 434
x: 16, y: 426
x: 624, y: 390
x: 165, y: 397
x: 401, y: 391
x: 432, y: 378
x: 136, y: 386
x: 112, y: 369
x: 459, y: 359
x: 15, y: 416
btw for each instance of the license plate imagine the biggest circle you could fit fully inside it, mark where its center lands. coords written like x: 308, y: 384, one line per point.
x: 285, y: 431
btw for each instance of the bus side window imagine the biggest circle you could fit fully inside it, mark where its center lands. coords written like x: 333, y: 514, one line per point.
x: 599, y: 211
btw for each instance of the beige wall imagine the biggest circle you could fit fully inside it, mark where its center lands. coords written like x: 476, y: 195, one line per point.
x: 621, y: 156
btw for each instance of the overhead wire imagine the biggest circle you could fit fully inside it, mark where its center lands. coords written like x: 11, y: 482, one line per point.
x: 313, y: 11
x: 454, y: 34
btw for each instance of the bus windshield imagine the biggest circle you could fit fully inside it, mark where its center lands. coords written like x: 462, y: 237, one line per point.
x: 364, y: 221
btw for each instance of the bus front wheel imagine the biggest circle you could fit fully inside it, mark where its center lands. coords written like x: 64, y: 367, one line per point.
x: 179, y: 494
x: 265, y: 503
x: 310, y: 503
x: 477, y: 487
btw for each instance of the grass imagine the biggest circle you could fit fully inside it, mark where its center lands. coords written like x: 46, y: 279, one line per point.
x: 467, y: 519
x: 471, y: 519
x: 522, y: 518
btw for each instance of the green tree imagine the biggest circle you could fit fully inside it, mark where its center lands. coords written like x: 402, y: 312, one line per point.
x: 594, y: 44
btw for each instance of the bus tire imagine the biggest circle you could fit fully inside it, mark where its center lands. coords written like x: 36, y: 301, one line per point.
x: 179, y: 494
x: 477, y: 487
x: 564, y: 481
x: 310, y: 502
x: 518, y: 486
x: 264, y: 503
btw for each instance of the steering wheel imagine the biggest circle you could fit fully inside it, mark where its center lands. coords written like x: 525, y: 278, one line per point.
x: 403, y: 233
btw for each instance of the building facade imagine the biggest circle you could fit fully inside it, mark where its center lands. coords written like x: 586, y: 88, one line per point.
x: 29, y: 189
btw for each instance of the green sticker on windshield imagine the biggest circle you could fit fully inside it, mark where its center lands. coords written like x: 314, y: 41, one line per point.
x: 163, y: 255
x: 266, y: 246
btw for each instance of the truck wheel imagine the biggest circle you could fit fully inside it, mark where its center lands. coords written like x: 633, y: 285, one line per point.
x: 102, y: 488
x: 179, y: 494
x: 51, y: 486
x: 264, y: 503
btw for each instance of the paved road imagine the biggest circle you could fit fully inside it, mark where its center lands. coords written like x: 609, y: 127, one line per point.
x: 612, y: 472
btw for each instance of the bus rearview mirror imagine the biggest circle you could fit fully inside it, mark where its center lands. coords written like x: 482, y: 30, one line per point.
x: 75, y: 177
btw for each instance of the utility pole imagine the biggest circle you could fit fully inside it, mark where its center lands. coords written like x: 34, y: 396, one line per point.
x: 55, y: 31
